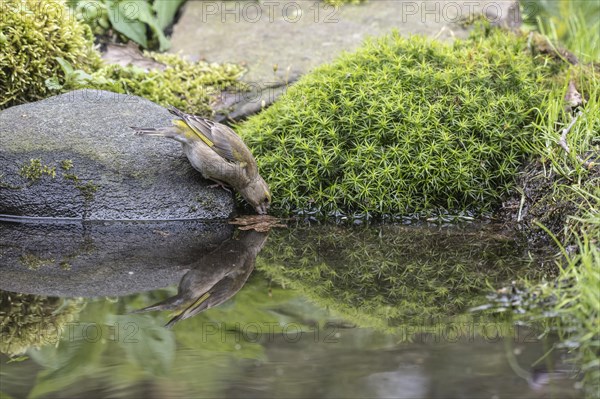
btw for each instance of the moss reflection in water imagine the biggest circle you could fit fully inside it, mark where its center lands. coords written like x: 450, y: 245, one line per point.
x: 381, y: 277
x: 32, y: 321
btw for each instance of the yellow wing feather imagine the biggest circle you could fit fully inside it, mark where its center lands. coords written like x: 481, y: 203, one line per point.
x: 194, y: 305
x: 187, y: 128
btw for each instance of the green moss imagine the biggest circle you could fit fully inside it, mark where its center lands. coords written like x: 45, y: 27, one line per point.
x: 28, y: 321
x: 66, y: 164
x: 34, y: 170
x: 34, y: 262
x: 47, y: 51
x: 403, y: 126
x: 71, y: 177
x: 87, y: 189
x: 191, y: 86
x: 64, y: 265
x: 34, y: 34
x: 205, y: 201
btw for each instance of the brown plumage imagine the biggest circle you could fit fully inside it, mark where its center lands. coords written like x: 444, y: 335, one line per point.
x: 218, y: 153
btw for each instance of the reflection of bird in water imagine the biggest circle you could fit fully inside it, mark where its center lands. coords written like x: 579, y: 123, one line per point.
x: 215, y: 278
x: 540, y: 378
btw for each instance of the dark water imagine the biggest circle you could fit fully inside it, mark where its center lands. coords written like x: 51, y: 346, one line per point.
x: 309, y: 311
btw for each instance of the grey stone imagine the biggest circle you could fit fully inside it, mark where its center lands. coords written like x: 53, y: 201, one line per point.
x: 300, y: 35
x: 114, y: 176
x: 236, y: 106
x: 102, y: 258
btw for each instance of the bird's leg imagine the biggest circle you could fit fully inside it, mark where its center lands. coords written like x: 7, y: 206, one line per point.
x: 219, y: 184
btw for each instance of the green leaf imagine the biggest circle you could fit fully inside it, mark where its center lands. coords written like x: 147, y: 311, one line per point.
x: 125, y: 18
x: 80, y: 77
x: 53, y: 84
x: 64, y: 65
x: 146, y: 15
x: 165, y: 11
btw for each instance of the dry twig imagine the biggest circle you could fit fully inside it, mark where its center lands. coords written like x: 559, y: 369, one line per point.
x: 563, y: 142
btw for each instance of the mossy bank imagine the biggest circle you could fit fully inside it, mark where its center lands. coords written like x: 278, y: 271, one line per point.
x: 46, y: 51
x: 34, y: 35
x: 405, y: 126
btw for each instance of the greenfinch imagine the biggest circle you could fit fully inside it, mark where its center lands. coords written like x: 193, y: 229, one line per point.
x: 218, y: 153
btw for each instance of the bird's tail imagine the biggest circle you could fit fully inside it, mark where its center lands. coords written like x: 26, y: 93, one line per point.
x: 168, y: 304
x: 171, y: 132
x: 148, y: 131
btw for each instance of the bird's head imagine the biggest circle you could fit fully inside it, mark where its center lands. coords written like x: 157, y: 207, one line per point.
x: 258, y: 195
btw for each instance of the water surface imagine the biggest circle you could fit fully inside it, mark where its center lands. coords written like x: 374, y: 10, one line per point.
x: 321, y: 311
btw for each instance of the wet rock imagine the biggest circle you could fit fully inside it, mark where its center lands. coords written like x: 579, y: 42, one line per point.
x: 102, y: 258
x: 75, y: 156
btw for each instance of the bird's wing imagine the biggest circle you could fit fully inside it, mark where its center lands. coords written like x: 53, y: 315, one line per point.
x: 220, y: 139
x: 196, y: 307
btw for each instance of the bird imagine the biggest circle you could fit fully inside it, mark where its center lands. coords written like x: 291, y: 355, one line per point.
x: 218, y: 153
x: 214, y: 278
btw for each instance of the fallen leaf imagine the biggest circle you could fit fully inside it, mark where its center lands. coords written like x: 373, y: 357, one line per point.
x: 260, y: 223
